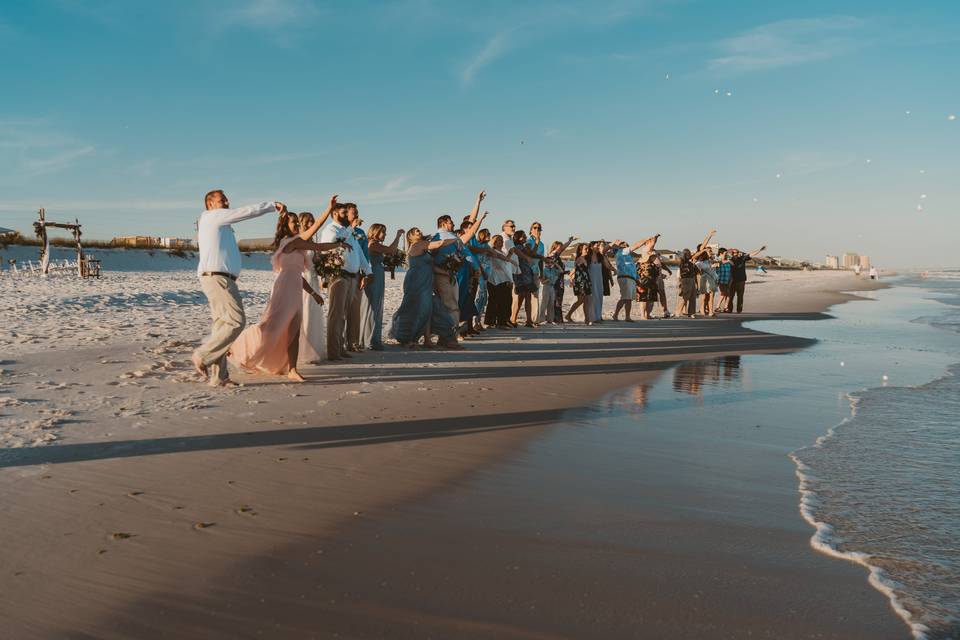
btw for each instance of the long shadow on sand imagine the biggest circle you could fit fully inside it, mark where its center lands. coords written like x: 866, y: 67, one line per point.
x: 306, y: 437
x: 671, y: 339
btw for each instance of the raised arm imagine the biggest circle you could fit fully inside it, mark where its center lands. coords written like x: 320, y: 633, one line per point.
x: 697, y: 255
x: 378, y: 248
x: 754, y: 254
x: 476, y: 207
x: 565, y: 246
x: 707, y: 240
x: 309, y: 233
x: 230, y: 216
x: 465, y: 238
x: 651, y: 241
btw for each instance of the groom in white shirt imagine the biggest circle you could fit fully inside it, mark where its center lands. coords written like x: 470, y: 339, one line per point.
x: 342, y: 290
x: 218, y: 270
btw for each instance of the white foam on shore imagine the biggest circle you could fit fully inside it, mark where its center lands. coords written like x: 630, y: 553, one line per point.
x: 825, y: 539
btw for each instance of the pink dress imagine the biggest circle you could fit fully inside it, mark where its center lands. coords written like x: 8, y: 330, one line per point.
x: 265, y: 346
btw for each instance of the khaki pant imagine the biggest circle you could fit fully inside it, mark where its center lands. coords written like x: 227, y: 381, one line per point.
x: 449, y: 293
x: 545, y: 303
x: 226, y: 309
x: 353, y: 313
x: 338, y: 297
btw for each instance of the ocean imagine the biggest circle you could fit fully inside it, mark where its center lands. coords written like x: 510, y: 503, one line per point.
x: 882, y: 487
x: 732, y: 463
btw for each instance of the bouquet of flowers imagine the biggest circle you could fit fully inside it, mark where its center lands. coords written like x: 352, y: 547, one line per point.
x: 393, y: 260
x: 328, y: 265
x: 452, y: 264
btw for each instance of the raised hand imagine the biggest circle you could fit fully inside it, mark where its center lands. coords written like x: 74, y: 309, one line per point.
x: 483, y: 194
x: 280, y: 207
x: 333, y: 201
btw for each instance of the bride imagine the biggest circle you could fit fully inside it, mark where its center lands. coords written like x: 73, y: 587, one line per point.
x: 313, y: 330
x: 273, y: 344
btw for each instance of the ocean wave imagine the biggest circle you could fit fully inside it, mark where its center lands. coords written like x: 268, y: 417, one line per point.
x: 892, y: 514
x: 825, y: 539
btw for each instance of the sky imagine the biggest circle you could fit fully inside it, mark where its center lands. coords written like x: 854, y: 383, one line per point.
x: 812, y: 128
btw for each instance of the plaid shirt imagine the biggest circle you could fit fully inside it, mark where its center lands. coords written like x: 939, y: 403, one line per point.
x: 724, y: 273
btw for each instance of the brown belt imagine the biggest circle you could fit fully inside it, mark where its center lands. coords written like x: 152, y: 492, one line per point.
x: 220, y: 273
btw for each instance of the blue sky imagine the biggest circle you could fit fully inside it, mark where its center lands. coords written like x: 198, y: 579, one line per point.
x: 604, y: 119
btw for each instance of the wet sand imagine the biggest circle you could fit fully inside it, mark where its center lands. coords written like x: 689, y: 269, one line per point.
x: 331, y: 509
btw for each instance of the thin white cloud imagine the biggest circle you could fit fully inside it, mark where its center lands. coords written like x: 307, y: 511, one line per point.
x: 803, y: 163
x: 33, y: 147
x: 56, y: 162
x: 530, y: 23
x: 494, y: 48
x: 399, y: 190
x: 790, y: 42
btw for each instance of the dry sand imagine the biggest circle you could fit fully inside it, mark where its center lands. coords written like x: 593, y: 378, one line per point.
x: 139, y: 504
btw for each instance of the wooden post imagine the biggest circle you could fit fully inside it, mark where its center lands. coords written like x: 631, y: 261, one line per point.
x: 81, y: 267
x: 45, y: 249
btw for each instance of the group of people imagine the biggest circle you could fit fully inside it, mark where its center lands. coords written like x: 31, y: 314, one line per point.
x: 460, y: 280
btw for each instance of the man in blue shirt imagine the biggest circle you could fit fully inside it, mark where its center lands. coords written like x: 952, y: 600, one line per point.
x: 627, y: 273
x: 724, y: 278
x: 363, y: 279
x: 536, y: 247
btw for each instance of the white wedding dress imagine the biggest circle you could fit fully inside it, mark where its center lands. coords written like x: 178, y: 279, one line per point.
x: 313, y: 330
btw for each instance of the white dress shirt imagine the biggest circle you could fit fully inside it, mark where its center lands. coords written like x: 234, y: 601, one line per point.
x: 353, y: 261
x: 216, y: 240
x: 507, y: 245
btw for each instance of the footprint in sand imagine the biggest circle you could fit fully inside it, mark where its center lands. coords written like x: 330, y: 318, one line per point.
x: 122, y: 535
x: 203, y: 525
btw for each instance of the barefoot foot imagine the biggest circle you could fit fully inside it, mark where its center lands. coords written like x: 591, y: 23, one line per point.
x: 198, y: 365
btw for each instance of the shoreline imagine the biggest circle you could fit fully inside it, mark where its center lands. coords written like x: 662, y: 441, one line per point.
x: 349, y: 486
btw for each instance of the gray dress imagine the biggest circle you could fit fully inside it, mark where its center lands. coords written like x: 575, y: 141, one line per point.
x: 420, y: 308
x: 596, y: 283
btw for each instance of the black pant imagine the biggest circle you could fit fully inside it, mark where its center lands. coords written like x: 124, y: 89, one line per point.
x: 736, y: 291
x: 558, y: 301
x: 499, y: 299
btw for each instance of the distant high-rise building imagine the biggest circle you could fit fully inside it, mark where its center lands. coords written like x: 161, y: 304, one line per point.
x: 864, y: 262
x: 833, y: 262
x: 850, y: 260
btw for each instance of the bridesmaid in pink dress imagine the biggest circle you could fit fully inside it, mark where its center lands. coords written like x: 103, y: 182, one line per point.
x: 271, y: 345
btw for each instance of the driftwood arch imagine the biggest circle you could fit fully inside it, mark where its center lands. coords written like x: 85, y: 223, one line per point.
x: 84, y: 266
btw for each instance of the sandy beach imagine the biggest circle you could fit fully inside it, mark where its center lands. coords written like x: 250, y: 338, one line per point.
x: 140, y: 504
